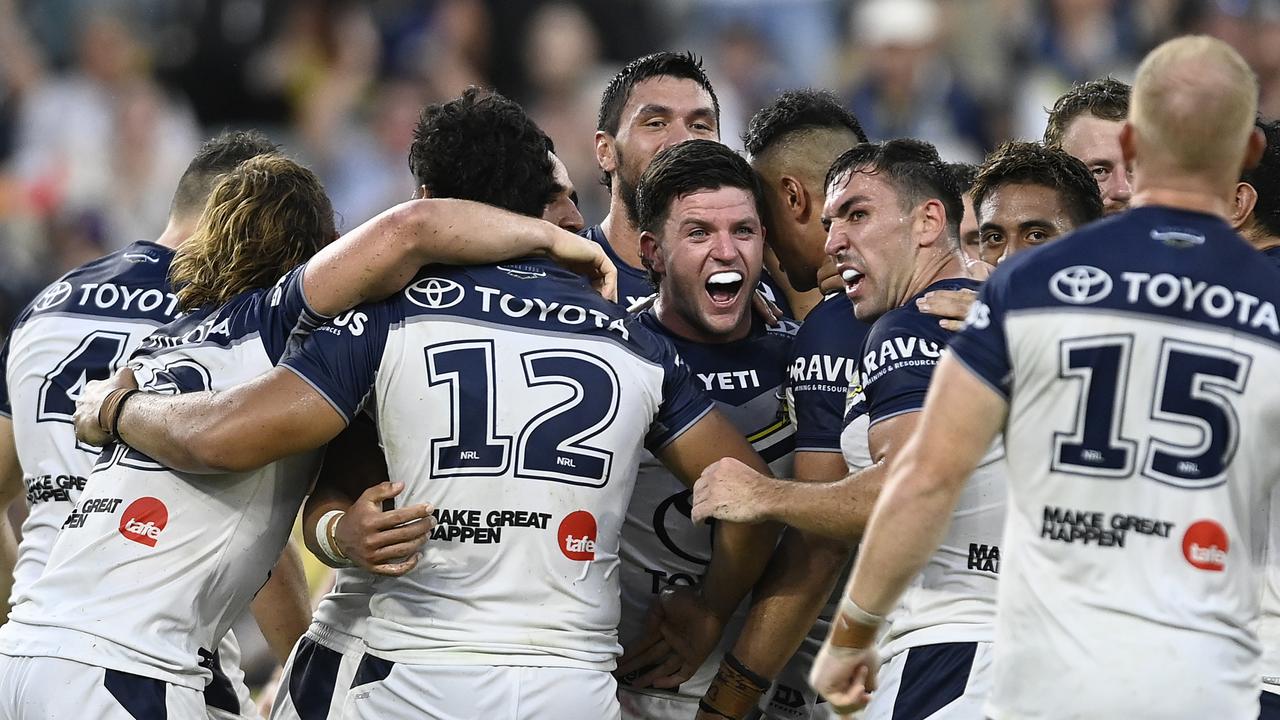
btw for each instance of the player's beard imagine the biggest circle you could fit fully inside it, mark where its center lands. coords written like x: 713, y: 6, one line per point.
x: 627, y: 190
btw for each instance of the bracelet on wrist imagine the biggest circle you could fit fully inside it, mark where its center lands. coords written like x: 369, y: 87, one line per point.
x: 110, y: 410
x: 327, y: 542
x: 735, y: 690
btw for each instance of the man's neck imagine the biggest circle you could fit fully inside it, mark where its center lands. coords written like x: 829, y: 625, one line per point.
x: 676, y: 325
x: 1182, y: 192
x: 936, y: 267
x: 176, y: 233
x: 1260, y: 239
x: 621, y: 235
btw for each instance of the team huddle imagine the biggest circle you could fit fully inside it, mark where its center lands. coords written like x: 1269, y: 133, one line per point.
x: 818, y: 432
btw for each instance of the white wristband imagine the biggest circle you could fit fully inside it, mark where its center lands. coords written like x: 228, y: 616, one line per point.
x: 857, y: 615
x: 322, y: 539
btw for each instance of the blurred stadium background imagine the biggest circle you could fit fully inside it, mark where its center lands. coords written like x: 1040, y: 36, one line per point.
x: 103, y: 102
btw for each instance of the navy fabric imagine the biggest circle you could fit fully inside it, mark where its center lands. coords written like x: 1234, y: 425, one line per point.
x: 824, y: 360
x: 312, y: 678
x: 372, y: 669
x: 1270, y: 703
x: 143, y: 697
x: 932, y: 677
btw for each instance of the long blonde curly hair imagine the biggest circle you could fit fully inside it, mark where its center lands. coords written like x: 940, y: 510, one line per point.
x: 262, y: 219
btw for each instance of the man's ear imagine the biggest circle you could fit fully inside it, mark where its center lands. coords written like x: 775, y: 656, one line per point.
x: 796, y: 199
x: 649, y: 253
x: 930, y: 220
x: 1246, y: 197
x: 1128, y: 144
x: 606, y: 155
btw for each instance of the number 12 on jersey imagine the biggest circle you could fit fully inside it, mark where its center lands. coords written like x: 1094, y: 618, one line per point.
x: 554, y: 445
x: 1195, y: 385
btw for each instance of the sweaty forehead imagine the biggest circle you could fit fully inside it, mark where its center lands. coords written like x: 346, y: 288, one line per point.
x: 681, y: 95
x: 866, y: 186
x: 1088, y: 137
x: 1013, y: 204
x: 729, y: 204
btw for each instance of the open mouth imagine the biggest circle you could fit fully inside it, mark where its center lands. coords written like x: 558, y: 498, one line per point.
x: 723, y: 287
x: 852, y: 279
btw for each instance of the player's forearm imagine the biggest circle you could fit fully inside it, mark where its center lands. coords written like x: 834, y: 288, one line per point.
x: 324, y: 499
x: 905, y: 529
x: 377, y: 259
x: 741, y: 553
x: 787, y: 600
x: 838, y: 510
x: 283, y: 606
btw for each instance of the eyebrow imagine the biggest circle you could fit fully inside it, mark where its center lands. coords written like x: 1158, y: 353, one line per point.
x: 1024, y: 225
x: 843, y: 208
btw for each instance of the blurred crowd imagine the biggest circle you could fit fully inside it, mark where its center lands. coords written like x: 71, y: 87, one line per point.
x: 103, y: 102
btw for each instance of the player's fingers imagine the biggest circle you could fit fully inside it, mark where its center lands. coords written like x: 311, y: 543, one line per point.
x: 870, y: 679
x: 648, y: 653
x: 395, y: 569
x: 663, y: 675
x: 401, y: 516
x: 381, y: 491
x: 394, y: 552
x: 387, y: 532
x: 608, y: 280
x: 952, y: 325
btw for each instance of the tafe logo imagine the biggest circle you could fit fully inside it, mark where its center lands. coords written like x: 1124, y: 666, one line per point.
x: 434, y: 293
x: 1080, y: 284
x: 54, y: 295
x: 577, y: 535
x: 1204, y: 545
x: 143, y: 520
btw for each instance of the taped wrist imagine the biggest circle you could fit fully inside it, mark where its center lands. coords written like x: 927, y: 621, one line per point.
x: 735, y: 690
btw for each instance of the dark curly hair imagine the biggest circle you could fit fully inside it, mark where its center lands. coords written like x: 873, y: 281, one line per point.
x: 1027, y: 162
x: 796, y: 110
x: 1106, y: 99
x: 963, y: 174
x: 215, y: 158
x: 1265, y: 178
x: 483, y: 147
x: 915, y: 171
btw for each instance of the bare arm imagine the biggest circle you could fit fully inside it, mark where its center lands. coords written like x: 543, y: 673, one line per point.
x: 838, y: 510
x: 796, y: 584
x: 377, y: 258
x: 283, y: 606
x: 741, y: 550
x: 11, y: 488
x: 275, y: 415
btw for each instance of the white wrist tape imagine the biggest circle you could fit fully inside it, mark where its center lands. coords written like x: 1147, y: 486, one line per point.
x: 322, y: 539
x: 857, y: 615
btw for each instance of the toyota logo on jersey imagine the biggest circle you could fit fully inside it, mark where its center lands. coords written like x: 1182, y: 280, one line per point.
x: 434, y: 293
x: 577, y: 535
x: 1080, y: 284
x: 143, y: 520
x: 54, y: 295
x: 1205, y: 546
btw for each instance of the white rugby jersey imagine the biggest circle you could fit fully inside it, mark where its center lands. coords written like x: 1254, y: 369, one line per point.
x: 518, y: 402
x: 344, y: 610
x: 81, y: 328
x: 1268, y: 626
x: 660, y: 544
x: 1138, y: 358
x: 152, y: 566
x: 953, y: 598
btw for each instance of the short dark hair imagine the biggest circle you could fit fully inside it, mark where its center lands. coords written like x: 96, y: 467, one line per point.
x: 684, y: 65
x: 1106, y: 99
x: 686, y: 168
x: 963, y: 173
x: 796, y: 110
x: 913, y: 168
x: 483, y: 147
x: 1265, y: 179
x: 215, y: 158
x: 1027, y: 162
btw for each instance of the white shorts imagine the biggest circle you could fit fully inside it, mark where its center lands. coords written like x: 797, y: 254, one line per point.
x: 947, y: 681
x: 315, y: 680
x: 226, y: 697
x: 643, y: 706
x: 49, y: 688
x: 791, y: 698
x: 385, y: 690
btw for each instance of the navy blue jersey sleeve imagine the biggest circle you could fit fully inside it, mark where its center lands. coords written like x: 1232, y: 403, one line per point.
x: 285, y: 314
x: 340, y: 358
x: 683, y: 404
x: 5, y: 410
x: 981, y: 345
x: 897, y: 363
x: 823, y: 362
